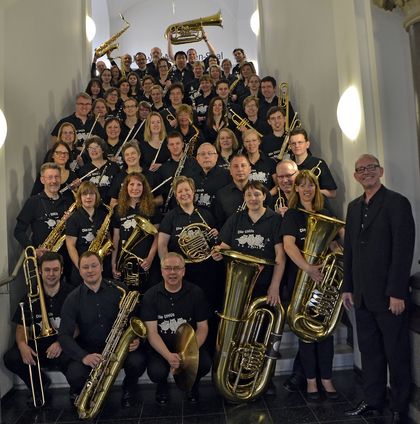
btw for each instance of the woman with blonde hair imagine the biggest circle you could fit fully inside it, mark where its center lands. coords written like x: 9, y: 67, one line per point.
x: 154, y: 150
x: 226, y: 145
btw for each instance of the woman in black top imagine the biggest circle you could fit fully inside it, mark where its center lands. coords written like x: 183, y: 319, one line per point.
x: 135, y: 88
x: 94, y: 88
x: 316, y: 355
x: 136, y: 199
x: 216, y: 119
x: 60, y: 154
x: 226, y: 145
x: 106, y: 78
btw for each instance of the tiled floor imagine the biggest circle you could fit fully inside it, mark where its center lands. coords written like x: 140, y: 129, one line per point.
x: 284, y: 408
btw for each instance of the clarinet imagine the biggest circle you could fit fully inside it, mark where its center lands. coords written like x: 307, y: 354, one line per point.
x: 178, y: 171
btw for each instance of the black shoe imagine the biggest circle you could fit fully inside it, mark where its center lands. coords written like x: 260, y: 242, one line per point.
x: 399, y: 418
x: 162, y: 394
x: 313, y: 396
x: 271, y: 389
x: 193, y: 396
x: 127, y: 398
x: 293, y: 384
x: 363, y: 408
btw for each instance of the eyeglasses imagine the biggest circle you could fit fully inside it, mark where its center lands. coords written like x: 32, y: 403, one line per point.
x: 369, y: 168
x: 130, y: 107
x: 206, y: 154
x: 173, y: 268
x: 286, y: 176
x: 93, y: 148
x: 59, y: 153
x: 297, y: 143
x: 84, y: 104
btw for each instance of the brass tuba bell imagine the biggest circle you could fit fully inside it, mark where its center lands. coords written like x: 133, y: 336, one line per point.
x: 192, y: 31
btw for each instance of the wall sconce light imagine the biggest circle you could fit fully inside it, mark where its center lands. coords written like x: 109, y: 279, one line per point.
x: 254, y: 22
x: 3, y: 128
x: 349, y: 113
x: 90, y: 28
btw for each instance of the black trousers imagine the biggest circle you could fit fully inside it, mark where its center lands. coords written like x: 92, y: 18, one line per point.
x: 317, y: 355
x: 384, y: 341
x: 134, y: 366
x: 13, y: 361
x: 158, y: 368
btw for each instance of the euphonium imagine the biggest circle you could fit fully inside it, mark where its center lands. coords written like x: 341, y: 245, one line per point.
x: 100, y: 244
x: 249, y: 335
x: 110, y: 45
x: 192, y: 31
x: 102, y: 377
x: 56, y: 237
x: 129, y: 263
x: 315, y: 308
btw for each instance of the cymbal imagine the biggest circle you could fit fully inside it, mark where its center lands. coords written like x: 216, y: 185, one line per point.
x: 187, y: 348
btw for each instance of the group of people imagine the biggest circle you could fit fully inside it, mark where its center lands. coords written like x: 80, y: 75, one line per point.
x: 158, y: 150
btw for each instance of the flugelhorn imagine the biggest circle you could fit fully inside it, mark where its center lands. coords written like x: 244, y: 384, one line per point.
x: 110, y: 45
x: 192, y: 31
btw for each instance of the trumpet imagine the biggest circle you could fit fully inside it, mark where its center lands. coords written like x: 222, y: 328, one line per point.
x: 35, y: 293
x: 192, y: 31
x: 280, y: 202
x: 241, y: 122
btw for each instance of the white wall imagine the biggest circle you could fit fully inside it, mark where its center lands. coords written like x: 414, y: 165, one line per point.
x: 44, y: 61
x: 150, y: 18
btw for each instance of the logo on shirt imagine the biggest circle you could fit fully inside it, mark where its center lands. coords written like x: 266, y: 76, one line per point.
x: 171, y: 325
x: 51, y: 223
x: 258, y: 176
x: 203, y: 199
x: 252, y: 241
x: 129, y: 223
x: 88, y: 237
x: 103, y: 181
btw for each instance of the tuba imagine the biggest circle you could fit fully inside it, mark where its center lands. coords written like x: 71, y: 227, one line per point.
x: 192, y: 31
x: 245, y: 354
x: 102, y: 377
x: 101, y: 244
x: 315, y: 308
x: 128, y: 262
x: 35, y: 293
x: 110, y: 45
x: 56, y: 237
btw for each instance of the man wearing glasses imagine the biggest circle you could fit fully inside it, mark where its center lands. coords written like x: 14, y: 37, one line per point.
x: 286, y: 172
x: 378, y: 253
x: 80, y: 119
x: 164, y: 308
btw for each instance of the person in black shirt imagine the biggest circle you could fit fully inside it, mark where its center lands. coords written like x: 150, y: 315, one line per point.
x: 114, y: 103
x: 263, y: 168
x: 82, y: 226
x: 135, y: 199
x: 174, y: 166
x: 94, y: 89
x: 164, y: 308
x: 135, y: 85
x: 216, y: 119
x: 192, y: 135
x: 202, y: 100
x: 316, y: 355
x: 156, y: 94
x: 210, y: 178
x: 299, y: 144
x: 286, y: 172
x: 226, y: 146
x: 131, y: 126
x: 154, y: 149
x: 175, y: 95
x: 99, y: 112
x: 80, y: 119
x: 181, y: 73
x: 163, y: 78
x: 250, y: 107
x: 240, y: 58
x: 50, y: 354
x: 60, y: 154
x: 103, y: 169
x: 192, y: 87
x: 106, y: 77
x: 146, y: 84
x: 272, y: 143
x: 152, y: 67
x: 43, y: 211
x: 256, y: 231
x: 141, y: 62
x: 90, y: 312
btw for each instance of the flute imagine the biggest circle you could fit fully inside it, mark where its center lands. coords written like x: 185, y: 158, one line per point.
x: 161, y: 184
x: 68, y: 186
x: 89, y: 134
x: 128, y: 135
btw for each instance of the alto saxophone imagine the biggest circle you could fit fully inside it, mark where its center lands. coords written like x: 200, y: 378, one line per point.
x: 101, y: 244
x: 102, y: 377
x: 56, y: 237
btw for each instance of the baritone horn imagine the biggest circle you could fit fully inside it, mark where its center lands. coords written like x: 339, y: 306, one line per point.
x: 315, y: 308
x: 192, y: 31
x: 109, y: 45
x: 249, y: 333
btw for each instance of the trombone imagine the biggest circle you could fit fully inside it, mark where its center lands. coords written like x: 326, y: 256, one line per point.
x: 35, y: 293
x: 284, y: 102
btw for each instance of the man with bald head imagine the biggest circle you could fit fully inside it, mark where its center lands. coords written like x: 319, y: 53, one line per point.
x: 378, y: 254
x: 209, y: 178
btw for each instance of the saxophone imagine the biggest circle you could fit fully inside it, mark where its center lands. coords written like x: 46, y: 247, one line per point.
x: 55, y: 238
x: 315, y: 308
x: 102, y: 377
x: 100, y: 244
x: 109, y: 45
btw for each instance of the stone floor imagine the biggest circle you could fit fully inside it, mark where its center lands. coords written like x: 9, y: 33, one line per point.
x: 284, y: 408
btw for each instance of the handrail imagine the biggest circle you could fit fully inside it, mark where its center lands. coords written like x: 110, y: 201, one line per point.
x: 15, y: 272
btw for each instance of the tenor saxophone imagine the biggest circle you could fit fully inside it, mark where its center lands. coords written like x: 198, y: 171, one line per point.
x: 102, y: 377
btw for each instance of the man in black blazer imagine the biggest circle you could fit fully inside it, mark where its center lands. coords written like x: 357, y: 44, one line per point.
x: 378, y: 253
